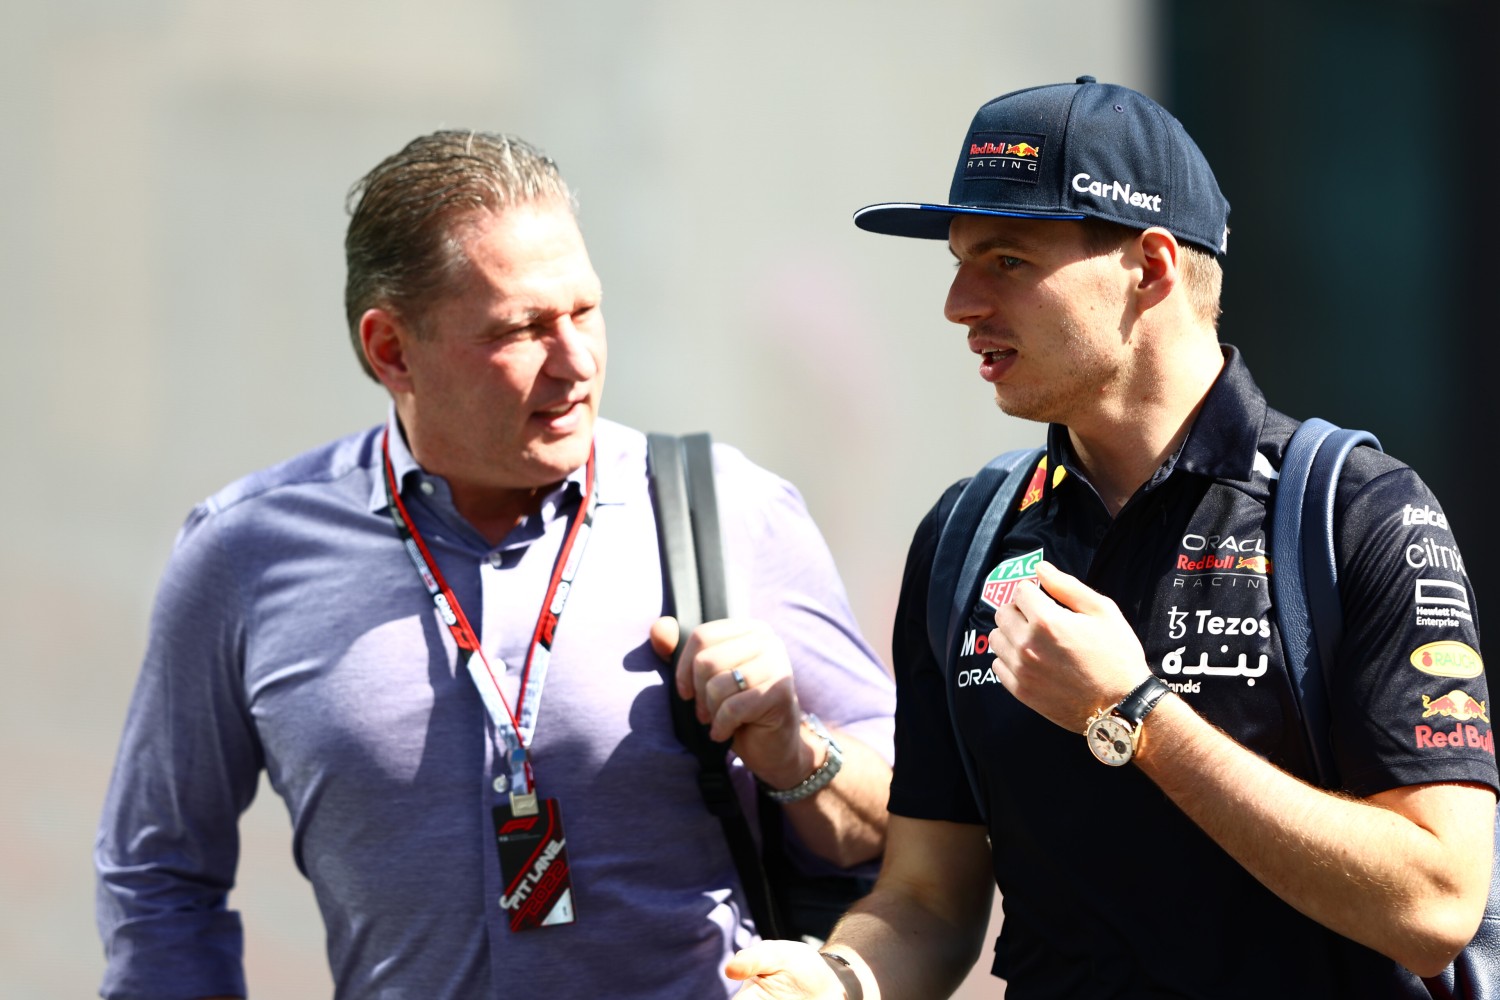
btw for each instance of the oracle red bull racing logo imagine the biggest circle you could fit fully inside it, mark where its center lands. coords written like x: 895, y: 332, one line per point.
x: 1000, y: 586
x: 1222, y: 561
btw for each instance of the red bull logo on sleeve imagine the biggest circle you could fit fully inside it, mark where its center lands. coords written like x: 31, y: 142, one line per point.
x: 1457, y: 705
x: 1462, y: 710
x: 1000, y: 586
x: 1447, y: 659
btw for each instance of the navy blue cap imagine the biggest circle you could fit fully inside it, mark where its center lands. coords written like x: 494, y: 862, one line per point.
x: 1069, y: 151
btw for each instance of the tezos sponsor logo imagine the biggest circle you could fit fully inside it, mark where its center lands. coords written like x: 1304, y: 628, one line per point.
x: 1205, y: 622
x: 1000, y: 585
x: 1447, y: 659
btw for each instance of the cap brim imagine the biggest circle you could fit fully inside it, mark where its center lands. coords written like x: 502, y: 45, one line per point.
x: 930, y: 222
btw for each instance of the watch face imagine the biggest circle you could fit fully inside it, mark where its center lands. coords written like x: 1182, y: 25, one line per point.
x: 1110, y: 741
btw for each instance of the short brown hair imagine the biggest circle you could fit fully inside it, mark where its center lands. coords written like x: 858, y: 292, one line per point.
x: 402, y: 247
x: 1202, y: 276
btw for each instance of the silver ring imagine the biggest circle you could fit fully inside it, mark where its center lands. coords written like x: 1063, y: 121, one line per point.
x: 739, y: 679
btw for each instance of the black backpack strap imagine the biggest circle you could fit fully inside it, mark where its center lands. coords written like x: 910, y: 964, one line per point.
x: 978, y: 517
x: 1311, y: 619
x: 1304, y: 575
x: 687, y: 524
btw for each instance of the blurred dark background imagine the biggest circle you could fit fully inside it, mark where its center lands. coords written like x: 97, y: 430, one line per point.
x: 1356, y: 142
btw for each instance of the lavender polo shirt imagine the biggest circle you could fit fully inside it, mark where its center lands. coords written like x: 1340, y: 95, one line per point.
x: 291, y: 633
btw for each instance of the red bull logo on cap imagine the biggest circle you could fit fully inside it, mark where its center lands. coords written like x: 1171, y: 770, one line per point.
x: 1009, y: 156
x: 1000, y: 586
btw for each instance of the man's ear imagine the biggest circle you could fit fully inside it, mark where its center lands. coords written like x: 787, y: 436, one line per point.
x: 1159, y: 256
x: 383, y: 338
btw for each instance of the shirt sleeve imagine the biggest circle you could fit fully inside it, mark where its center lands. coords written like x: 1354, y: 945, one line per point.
x: 188, y: 766
x: 792, y: 583
x: 930, y: 781
x: 1409, y: 697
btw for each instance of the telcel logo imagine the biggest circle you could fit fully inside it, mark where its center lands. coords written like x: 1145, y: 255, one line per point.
x: 1423, y: 515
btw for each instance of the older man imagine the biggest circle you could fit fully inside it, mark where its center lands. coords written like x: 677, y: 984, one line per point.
x: 376, y: 623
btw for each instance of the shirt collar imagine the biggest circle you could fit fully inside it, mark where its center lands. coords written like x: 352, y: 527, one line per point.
x: 406, y: 469
x: 1221, y: 443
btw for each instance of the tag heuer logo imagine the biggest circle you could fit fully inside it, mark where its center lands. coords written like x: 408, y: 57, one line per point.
x: 1000, y: 585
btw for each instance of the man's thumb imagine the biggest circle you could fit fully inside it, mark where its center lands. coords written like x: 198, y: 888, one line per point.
x: 664, y: 635
x: 1067, y: 590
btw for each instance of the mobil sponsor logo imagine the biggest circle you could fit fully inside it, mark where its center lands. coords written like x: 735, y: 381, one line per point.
x: 1205, y: 621
x: 1424, y: 553
x: 1447, y: 659
x: 1424, y: 516
x: 1454, y: 715
x: 1245, y: 555
x: 974, y: 643
x: 1000, y: 586
x: 1441, y: 603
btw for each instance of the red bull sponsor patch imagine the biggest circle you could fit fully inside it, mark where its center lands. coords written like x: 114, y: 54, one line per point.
x: 1011, y: 156
x: 1000, y: 586
x: 1462, y: 734
x: 1457, y: 705
x: 1447, y: 659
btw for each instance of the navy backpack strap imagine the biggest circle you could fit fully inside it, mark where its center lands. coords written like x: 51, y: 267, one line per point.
x: 1304, y: 574
x: 964, y: 542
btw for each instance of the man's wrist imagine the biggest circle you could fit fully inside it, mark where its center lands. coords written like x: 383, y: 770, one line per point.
x: 816, y: 779
x: 848, y: 978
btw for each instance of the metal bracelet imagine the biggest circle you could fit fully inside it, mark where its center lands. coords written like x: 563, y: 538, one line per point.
x: 816, y: 781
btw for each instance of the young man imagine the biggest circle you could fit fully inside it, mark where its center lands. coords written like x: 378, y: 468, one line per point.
x: 1086, y: 228
x: 375, y: 623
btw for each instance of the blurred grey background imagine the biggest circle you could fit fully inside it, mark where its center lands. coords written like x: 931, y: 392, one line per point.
x: 171, y: 270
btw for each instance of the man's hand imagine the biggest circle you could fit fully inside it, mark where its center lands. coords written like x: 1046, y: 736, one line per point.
x: 1064, y: 650
x: 737, y: 673
x: 784, y: 970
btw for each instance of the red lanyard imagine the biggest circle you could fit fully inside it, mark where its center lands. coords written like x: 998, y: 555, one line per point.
x: 518, y: 726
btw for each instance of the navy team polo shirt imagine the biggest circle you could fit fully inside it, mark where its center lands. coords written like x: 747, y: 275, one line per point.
x: 1108, y: 889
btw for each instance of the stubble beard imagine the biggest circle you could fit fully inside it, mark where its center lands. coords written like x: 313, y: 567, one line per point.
x: 1070, y: 390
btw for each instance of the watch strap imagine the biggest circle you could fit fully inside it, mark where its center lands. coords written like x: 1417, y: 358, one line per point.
x: 1136, y: 705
